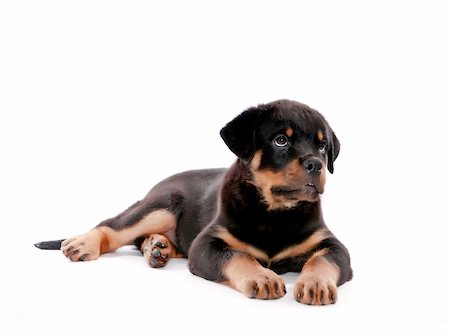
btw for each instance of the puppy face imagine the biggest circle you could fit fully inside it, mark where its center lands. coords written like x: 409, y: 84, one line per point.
x: 287, y: 146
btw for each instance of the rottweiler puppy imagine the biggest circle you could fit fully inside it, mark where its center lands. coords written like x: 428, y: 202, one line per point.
x: 245, y: 225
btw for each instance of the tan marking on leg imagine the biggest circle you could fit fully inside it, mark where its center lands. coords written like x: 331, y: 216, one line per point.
x: 289, y: 131
x: 316, y: 257
x: 317, y: 283
x: 237, y: 245
x: 103, y: 239
x: 320, y: 135
x: 304, y: 247
x: 159, y: 221
x: 246, y: 275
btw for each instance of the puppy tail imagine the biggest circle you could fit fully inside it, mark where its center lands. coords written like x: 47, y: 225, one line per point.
x: 50, y: 244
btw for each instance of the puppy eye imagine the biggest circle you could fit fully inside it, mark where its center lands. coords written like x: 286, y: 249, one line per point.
x: 281, y: 141
x: 322, y: 147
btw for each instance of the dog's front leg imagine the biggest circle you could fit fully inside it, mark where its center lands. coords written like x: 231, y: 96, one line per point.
x: 243, y: 273
x: 317, y: 283
x: 325, y: 269
x: 212, y: 259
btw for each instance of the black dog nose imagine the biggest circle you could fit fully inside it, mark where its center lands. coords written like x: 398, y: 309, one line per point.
x: 313, y: 166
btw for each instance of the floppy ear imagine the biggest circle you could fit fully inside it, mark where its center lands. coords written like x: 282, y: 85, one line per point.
x: 239, y: 134
x: 333, y: 151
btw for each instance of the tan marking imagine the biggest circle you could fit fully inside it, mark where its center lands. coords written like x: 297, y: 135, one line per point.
x: 316, y: 258
x: 239, y: 267
x: 104, y: 243
x: 323, y: 176
x: 320, y: 135
x: 86, y: 246
x: 245, y: 274
x: 304, y: 247
x: 317, y: 283
x: 256, y: 161
x: 265, y: 179
x: 238, y: 245
x: 289, y: 131
x: 321, y: 267
x: 293, y: 174
x: 103, y: 239
x: 159, y: 221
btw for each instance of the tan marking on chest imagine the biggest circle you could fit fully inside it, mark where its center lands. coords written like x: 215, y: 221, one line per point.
x: 239, y: 245
x: 304, y: 247
x: 292, y: 251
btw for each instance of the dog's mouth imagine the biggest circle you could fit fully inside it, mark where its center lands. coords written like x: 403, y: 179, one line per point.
x: 289, y: 192
x: 284, y: 191
x: 310, y: 188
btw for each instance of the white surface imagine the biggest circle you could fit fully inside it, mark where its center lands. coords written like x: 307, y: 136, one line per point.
x: 100, y: 101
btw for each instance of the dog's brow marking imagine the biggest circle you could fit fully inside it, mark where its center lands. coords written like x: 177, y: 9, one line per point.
x: 289, y: 131
x: 238, y: 245
x: 320, y: 135
x: 304, y: 247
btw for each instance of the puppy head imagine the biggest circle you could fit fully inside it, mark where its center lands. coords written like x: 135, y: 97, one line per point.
x: 286, y: 145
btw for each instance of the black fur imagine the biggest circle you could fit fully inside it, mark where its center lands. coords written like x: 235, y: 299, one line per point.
x: 49, y: 245
x: 206, y: 201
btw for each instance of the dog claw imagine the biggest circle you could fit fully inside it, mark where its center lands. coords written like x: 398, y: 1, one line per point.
x: 264, y: 284
x: 266, y: 287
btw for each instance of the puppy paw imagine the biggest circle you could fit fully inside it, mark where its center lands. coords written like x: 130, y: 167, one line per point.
x: 157, y: 250
x: 312, y: 289
x: 84, y: 247
x: 263, y: 284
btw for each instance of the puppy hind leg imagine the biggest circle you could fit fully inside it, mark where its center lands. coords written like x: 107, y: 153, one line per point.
x: 142, y: 219
x: 85, y: 247
x: 90, y: 245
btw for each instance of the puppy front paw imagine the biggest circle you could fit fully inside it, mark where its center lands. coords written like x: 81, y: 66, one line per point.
x: 262, y: 284
x: 314, y: 289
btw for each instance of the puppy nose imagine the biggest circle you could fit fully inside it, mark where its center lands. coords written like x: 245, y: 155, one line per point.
x: 313, y: 166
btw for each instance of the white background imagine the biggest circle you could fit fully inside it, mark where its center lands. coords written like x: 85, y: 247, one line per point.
x: 100, y: 100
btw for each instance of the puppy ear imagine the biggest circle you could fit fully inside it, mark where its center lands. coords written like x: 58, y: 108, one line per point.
x: 239, y: 134
x: 333, y: 152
